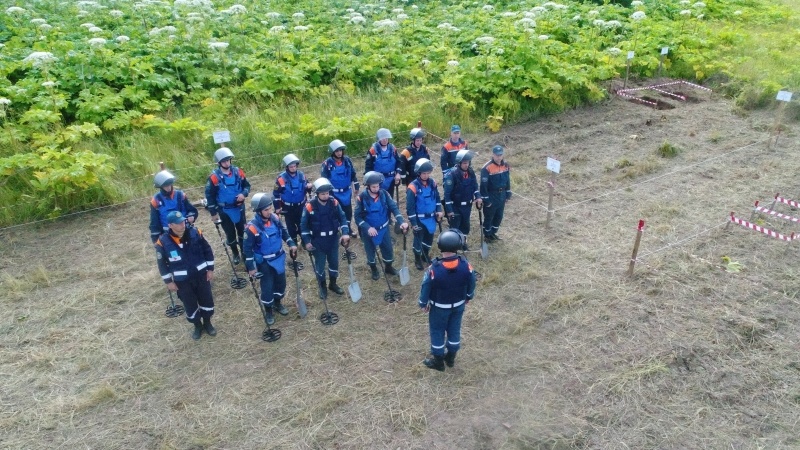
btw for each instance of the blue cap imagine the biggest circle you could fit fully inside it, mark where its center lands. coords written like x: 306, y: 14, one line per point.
x: 175, y: 217
x: 497, y: 150
x: 455, y: 128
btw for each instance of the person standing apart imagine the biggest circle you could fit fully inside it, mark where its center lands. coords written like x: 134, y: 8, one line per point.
x: 186, y: 263
x: 322, y: 221
x: 226, y: 189
x: 496, y: 191
x: 339, y: 170
x: 447, y: 288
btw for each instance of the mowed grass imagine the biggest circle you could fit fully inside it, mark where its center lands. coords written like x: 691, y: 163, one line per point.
x: 560, y: 348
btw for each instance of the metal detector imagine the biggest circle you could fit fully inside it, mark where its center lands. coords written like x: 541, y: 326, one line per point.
x: 328, y: 317
x: 301, y: 304
x: 270, y: 334
x: 173, y: 310
x: 484, y: 245
x: 390, y: 295
x: 405, y: 277
x: 237, y: 282
x: 353, y: 288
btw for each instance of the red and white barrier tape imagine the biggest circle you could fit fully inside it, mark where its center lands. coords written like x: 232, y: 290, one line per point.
x: 787, y: 201
x: 760, y: 229
x: 636, y: 99
x: 764, y: 210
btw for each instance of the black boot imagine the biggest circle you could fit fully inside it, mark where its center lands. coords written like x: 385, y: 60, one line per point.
x: 450, y: 359
x: 390, y: 270
x: 334, y: 287
x: 208, y: 327
x: 270, y: 316
x: 434, y: 362
x: 236, y: 259
x: 418, y: 261
x: 375, y: 274
x: 280, y: 308
x: 198, y: 331
x: 323, y: 291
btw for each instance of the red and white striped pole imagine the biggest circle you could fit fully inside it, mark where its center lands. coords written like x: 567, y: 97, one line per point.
x: 639, y: 232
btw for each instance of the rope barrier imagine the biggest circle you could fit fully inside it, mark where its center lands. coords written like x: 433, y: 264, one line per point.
x: 680, y: 169
x: 516, y: 194
x: 681, y: 242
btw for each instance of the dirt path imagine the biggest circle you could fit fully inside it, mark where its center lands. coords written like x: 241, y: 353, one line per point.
x: 561, y: 350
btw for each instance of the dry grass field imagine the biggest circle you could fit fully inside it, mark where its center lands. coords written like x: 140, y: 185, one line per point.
x: 561, y: 350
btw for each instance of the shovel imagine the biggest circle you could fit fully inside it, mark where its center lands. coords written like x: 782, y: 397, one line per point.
x: 353, y: 288
x: 301, y: 304
x: 484, y: 245
x: 404, y: 275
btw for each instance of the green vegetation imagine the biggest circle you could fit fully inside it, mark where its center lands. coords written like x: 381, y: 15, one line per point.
x: 112, y: 88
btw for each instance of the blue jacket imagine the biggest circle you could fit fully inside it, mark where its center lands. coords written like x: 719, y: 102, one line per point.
x: 289, y: 190
x: 320, y: 224
x: 263, y: 242
x: 460, y: 187
x: 341, y: 175
x: 448, y: 281
x: 181, y: 259
x: 162, y: 204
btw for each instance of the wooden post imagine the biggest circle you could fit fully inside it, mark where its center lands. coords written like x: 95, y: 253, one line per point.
x: 627, y: 69
x: 636, y: 247
x: 551, y: 187
x: 777, y: 126
x: 161, y: 164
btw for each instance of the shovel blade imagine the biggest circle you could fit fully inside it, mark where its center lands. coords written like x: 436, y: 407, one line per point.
x: 404, y: 276
x: 355, y: 292
x: 301, y: 306
x: 484, y: 250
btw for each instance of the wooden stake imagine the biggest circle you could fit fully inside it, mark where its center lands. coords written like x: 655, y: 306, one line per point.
x: 777, y: 127
x: 636, y: 247
x: 551, y: 187
x: 161, y: 164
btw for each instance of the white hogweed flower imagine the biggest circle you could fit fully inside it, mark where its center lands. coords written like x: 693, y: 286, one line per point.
x: 96, y: 42
x: 638, y: 15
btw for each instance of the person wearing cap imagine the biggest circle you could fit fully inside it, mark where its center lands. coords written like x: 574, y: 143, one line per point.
x: 226, y: 189
x: 495, y: 191
x: 263, y: 252
x: 447, y: 288
x: 424, y: 209
x: 322, y: 224
x: 166, y: 200
x: 289, y: 193
x: 339, y: 170
x: 382, y: 158
x: 408, y: 158
x: 451, y: 147
x: 460, y: 190
x: 374, y: 210
x: 186, y: 264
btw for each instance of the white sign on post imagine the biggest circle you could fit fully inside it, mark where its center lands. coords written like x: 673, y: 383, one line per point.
x: 664, y: 50
x: 553, y: 165
x: 630, y: 54
x: 222, y: 136
x: 784, y: 96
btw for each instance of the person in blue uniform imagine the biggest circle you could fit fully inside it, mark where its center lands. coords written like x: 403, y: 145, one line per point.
x: 263, y: 252
x: 408, y: 158
x: 382, y: 158
x: 374, y: 210
x: 322, y: 221
x: 424, y: 209
x: 186, y: 264
x: 447, y: 288
x: 226, y: 189
x: 289, y: 193
x: 166, y: 200
x: 460, y: 190
x: 339, y: 170
x: 496, y: 191
x: 451, y: 148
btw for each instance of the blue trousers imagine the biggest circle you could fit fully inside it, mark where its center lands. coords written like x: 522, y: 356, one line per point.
x: 445, y: 324
x: 387, y: 252
x: 331, y: 256
x: 195, y: 294
x: 461, y: 219
x: 273, y: 284
x: 423, y: 240
x: 493, y: 215
x: 292, y: 215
